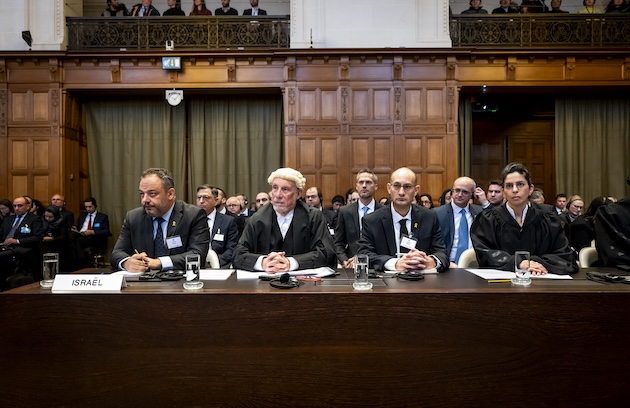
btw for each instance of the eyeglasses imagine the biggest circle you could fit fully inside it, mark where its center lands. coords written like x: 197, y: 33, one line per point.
x: 233, y: 205
x: 425, y: 202
x: 203, y: 197
x: 460, y: 191
x: 406, y: 187
x: 519, y: 185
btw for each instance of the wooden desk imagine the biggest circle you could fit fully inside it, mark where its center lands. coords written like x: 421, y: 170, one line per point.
x: 450, y: 340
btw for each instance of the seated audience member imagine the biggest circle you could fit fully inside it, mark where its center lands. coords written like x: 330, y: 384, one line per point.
x: 555, y: 7
x: 560, y: 203
x: 37, y: 208
x: 174, y: 8
x: 262, y: 198
x: 6, y: 209
x: 504, y: 8
x: 445, y: 198
x: 456, y: 218
x: 518, y: 225
x: 581, y: 231
x: 426, y: 201
x: 354, y: 197
x: 115, y: 9
x: 349, y: 221
x: 254, y: 11
x: 200, y: 9
x: 537, y: 198
x: 337, y: 202
x: 144, y: 9
x: 246, y: 211
x: 384, y: 201
x: 617, y: 6
x: 20, y: 235
x: 533, y: 6
x: 57, y: 238
x: 221, y: 200
x: 286, y: 235
x: 475, y: 8
x: 234, y: 207
x: 590, y: 8
x: 59, y: 201
x: 612, y: 232
x: 493, y: 198
x: 402, y: 236
x: 159, y: 234
x: 225, y: 9
x: 92, y: 231
x: 223, y: 229
x: 574, y: 209
x: 314, y: 199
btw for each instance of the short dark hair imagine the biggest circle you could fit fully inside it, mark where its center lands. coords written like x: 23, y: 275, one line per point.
x: 163, y: 174
x: 90, y: 200
x: 496, y: 183
x: 561, y: 195
x: 516, y: 168
x: 338, y: 199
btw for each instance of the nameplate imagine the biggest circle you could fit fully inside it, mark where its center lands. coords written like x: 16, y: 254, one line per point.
x: 89, y: 283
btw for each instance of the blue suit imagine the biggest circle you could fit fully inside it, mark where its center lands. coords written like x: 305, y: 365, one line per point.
x: 226, y: 226
x: 446, y: 219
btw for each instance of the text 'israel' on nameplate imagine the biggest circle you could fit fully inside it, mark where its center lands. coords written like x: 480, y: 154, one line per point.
x: 89, y: 283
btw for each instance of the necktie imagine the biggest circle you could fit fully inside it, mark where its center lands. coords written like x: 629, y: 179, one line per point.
x: 462, y: 243
x: 403, y: 233
x: 365, y: 210
x: 14, y: 228
x: 89, y: 222
x: 254, y: 12
x: 146, y: 11
x: 159, y: 248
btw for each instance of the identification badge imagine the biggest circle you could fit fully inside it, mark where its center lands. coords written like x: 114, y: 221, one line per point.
x: 97, y: 225
x: 219, y: 237
x: 332, y: 231
x: 174, y: 242
x: 25, y: 230
x: 409, y: 243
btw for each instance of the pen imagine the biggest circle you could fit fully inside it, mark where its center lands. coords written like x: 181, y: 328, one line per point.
x: 499, y: 280
x: 138, y: 253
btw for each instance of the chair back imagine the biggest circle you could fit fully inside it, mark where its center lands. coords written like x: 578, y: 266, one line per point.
x: 587, y: 256
x: 468, y: 259
x: 212, y: 260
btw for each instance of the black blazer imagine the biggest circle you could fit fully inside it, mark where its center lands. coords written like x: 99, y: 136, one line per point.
x: 248, y: 12
x: 378, y: 239
x: 100, y: 223
x: 30, y: 232
x: 225, y: 225
x: 348, y: 231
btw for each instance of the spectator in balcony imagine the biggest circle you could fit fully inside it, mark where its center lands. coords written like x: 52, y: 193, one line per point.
x: 200, y: 9
x: 475, y: 8
x: 225, y: 9
x: 504, y: 8
x: 144, y: 9
x: 555, y: 7
x: 589, y: 8
x: 617, y: 6
x: 174, y: 8
x: 115, y: 9
x: 254, y: 11
x: 534, y: 6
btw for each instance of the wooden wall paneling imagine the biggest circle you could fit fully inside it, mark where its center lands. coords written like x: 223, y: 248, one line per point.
x: 382, y: 105
x: 413, y: 105
x: 435, y: 104
x: 21, y: 106
x: 4, y: 140
x: 361, y: 104
x: 41, y: 106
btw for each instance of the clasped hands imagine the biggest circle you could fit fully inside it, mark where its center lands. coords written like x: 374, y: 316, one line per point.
x: 140, y: 262
x: 535, y: 268
x: 276, y: 262
x: 415, y: 260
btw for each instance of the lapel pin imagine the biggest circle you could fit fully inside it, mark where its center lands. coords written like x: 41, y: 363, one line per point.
x: 174, y: 224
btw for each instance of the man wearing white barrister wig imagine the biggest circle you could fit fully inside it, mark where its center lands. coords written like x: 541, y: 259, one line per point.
x: 286, y: 235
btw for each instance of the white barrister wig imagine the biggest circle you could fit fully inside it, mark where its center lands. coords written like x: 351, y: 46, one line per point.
x: 289, y: 174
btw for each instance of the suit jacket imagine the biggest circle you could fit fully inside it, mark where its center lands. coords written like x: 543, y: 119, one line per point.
x: 248, y: 12
x: 187, y: 221
x: 137, y: 9
x: 331, y: 217
x: 348, y: 231
x: 447, y: 223
x: 30, y: 232
x: 612, y: 233
x: 378, y: 239
x: 501, y: 10
x: 226, y: 225
x: 100, y: 224
x: 308, y: 239
x: 231, y: 12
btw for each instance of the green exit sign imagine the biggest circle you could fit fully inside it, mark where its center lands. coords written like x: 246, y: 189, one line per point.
x: 171, y: 62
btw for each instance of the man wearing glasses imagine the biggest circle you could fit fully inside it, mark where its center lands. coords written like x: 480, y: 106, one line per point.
x: 457, y: 217
x: 518, y: 225
x: 400, y: 236
x: 223, y: 230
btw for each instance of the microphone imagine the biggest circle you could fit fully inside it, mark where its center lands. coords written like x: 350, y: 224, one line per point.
x: 285, y: 281
x: 284, y: 278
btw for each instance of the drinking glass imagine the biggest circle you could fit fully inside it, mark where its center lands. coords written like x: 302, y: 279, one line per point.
x: 49, y: 269
x: 521, y: 268
x: 361, y: 266
x: 193, y: 263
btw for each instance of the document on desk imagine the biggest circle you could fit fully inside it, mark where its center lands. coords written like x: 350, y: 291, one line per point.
x: 321, y: 272
x: 427, y: 271
x: 492, y: 274
x: 215, y: 274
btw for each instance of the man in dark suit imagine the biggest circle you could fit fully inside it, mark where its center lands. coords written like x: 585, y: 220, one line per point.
x: 400, y: 236
x: 314, y: 199
x: 223, y: 230
x: 504, y: 8
x: 457, y: 217
x: 612, y: 232
x: 348, y: 230
x: 286, y: 235
x: 254, y: 11
x: 20, y: 234
x: 92, y: 229
x: 144, y: 9
x: 59, y: 201
x: 163, y: 231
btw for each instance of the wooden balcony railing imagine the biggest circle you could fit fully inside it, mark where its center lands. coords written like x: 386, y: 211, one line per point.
x: 548, y: 30
x: 201, y: 33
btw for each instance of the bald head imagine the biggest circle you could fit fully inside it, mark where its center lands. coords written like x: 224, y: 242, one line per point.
x: 463, y: 189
